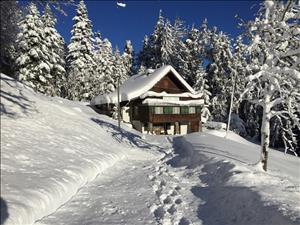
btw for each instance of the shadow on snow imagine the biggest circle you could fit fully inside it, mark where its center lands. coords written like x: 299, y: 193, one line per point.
x: 224, y: 204
x: 122, y: 135
x: 4, y: 211
x: 16, y: 98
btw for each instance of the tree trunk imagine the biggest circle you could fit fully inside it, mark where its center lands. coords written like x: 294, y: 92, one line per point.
x: 265, y: 133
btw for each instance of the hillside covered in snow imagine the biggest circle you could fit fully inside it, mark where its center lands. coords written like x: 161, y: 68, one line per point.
x: 50, y: 148
x: 62, y: 163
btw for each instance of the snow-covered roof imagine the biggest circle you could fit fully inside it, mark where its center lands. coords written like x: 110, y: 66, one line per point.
x: 139, y: 84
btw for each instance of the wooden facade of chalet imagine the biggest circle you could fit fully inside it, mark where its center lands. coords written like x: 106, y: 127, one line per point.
x: 147, y: 116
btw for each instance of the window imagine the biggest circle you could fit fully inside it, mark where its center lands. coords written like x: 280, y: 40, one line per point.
x: 168, y: 110
x: 176, y: 110
x: 198, y: 109
x: 184, y: 110
x: 158, y: 110
x: 192, y: 110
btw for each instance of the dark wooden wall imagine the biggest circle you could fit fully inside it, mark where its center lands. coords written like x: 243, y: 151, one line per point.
x: 169, y: 84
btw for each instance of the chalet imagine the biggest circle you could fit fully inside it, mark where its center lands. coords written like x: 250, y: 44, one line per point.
x: 158, y: 102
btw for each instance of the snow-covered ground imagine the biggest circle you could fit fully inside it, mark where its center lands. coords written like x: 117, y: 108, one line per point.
x: 235, y: 190
x: 62, y: 163
x: 50, y: 148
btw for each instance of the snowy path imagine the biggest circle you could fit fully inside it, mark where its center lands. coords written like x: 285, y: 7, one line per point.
x: 119, y: 196
x: 135, y: 191
x: 176, y: 189
x: 62, y: 163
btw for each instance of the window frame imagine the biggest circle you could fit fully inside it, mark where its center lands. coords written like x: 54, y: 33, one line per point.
x: 160, y: 112
x: 192, y: 110
x: 177, y: 113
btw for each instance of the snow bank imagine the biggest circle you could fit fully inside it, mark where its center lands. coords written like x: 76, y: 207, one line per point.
x: 215, y: 125
x: 279, y: 187
x: 50, y: 147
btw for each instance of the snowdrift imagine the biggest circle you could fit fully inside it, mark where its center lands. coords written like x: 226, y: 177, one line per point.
x: 279, y: 187
x: 50, y: 147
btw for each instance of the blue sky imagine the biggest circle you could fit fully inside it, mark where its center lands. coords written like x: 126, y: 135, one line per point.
x: 139, y: 17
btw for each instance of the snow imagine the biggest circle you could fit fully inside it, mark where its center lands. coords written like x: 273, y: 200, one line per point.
x: 165, y: 94
x: 139, y: 84
x: 279, y: 187
x: 215, y: 125
x: 50, y: 148
x: 156, y: 101
x: 62, y: 163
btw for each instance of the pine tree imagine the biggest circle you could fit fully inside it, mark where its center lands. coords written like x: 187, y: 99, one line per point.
x: 33, y: 60
x: 220, y: 75
x: 145, y: 55
x: 80, y: 58
x: 167, y: 46
x: 179, y: 52
x: 119, y: 71
x: 10, y: 15
x: 194, y: 52
x: 201, y: 85
x: 128, y: 58
x: 105, y: 65
x: 95, y: 86
x: 192, y: 56
x: 55, y: 44
x: 274, y: 83
x: 155, y: 42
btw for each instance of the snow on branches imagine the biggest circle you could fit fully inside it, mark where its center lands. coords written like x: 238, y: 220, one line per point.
x: 274, y: 83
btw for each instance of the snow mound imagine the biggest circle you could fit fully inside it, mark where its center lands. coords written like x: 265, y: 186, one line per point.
x: 51, y: 147
x: 230, y: 135
x: 279, y: 187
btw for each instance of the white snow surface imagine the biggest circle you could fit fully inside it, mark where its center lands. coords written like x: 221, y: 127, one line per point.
x: 155, y: 101
x: 61, y: 163
x: 50, y: 147
x: 137, y: 85
x: 165, y: 94
x: 278, y: 188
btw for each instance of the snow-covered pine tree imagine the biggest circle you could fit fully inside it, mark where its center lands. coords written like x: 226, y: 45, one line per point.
x: 201, y: 85
x: 119, y: 69
x: 55, y: 44
x: 98, y: 75
x: 105, y: 65
x: 10, y: 15
x: 275, y: 83
x: 179, y: 56
x: 128, y: 58
x: 145, y: 55
x: 243, y: 123
x: 191, y: 56
x: 33, y: 60
x: 194, y: 52
x: 80, y: 58
x: 167, y: 46
x: 220, y: 75
x: 155, y: 43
